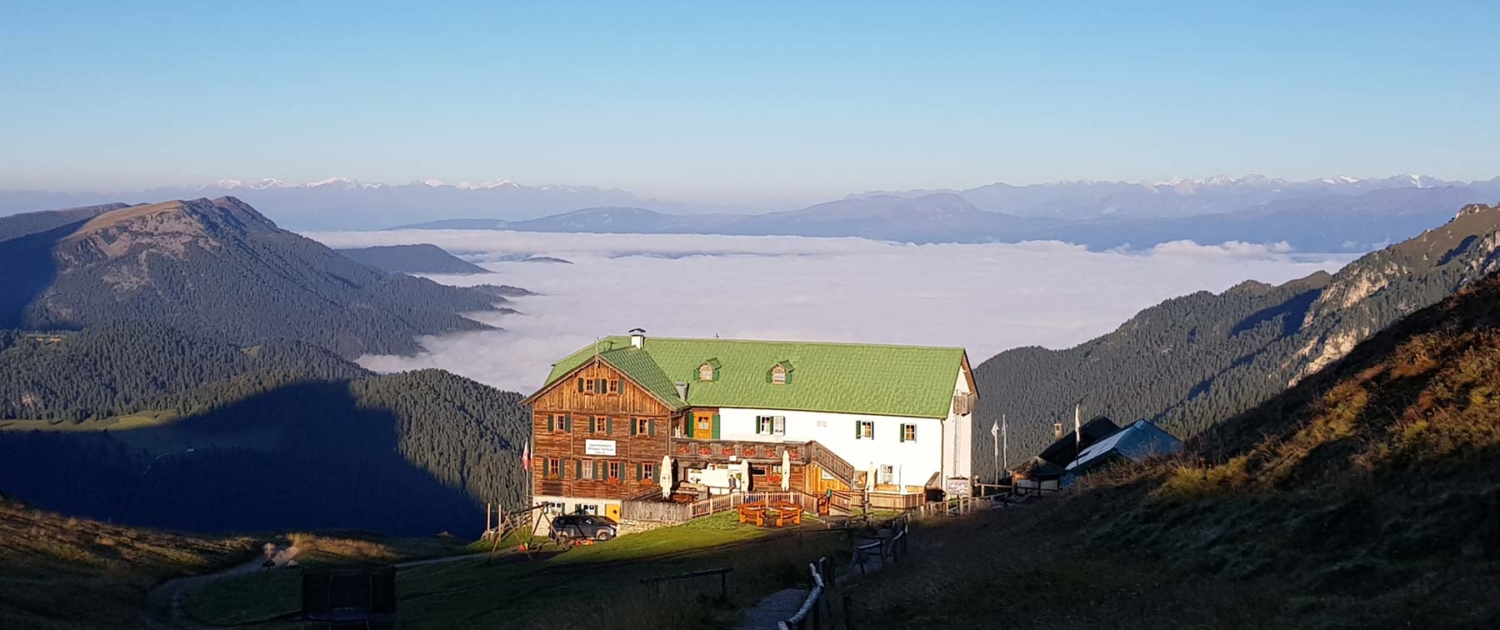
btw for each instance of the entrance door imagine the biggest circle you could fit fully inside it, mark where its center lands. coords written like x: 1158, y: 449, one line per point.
x: 703, y: 426
x: 612, y: 510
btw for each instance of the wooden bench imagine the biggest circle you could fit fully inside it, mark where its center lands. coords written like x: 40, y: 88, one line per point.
x: 788, y: 513
x: 753, y: 513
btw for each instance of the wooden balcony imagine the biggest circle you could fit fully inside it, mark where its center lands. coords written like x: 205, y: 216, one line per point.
x: 798, y: 453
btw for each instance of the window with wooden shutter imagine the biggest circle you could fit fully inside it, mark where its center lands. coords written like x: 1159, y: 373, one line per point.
x: 651, y: 427
x: 864, y: 430
x: 580, y: 384
x: 614, y: 386
x: 778, y: 375
x: 778, y: 424
x: 609, y: 426
x: 648, y: 472
x: 586, y: 469
x: 908, y: 433
x: 551, y: 423
x: 614, y: 471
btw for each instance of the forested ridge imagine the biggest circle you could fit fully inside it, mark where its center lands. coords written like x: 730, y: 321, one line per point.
x: 124, y: 368
x: 218, y: 268
x: 418, y: 258
x: 1194, y: 361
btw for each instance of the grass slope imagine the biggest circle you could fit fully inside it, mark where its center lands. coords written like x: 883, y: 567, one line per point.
x: 62, y: 573
x: 587, y: 587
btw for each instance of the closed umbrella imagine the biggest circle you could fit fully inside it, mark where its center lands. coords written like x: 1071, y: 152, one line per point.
x: 786, y: 471
x: 666, y: 476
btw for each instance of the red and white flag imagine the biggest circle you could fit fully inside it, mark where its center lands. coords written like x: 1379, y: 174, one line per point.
x: 526, y: 457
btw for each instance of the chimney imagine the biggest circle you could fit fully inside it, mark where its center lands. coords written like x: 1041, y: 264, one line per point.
x: 682, y: 390
x: 1056, y: 431
x: 638, y: 340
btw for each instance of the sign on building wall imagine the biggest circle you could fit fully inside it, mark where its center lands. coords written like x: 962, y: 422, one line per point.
x: 599, y: 447
x: 957, y: 487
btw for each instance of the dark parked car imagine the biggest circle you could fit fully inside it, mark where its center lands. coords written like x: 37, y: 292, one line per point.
x: 582, y: 526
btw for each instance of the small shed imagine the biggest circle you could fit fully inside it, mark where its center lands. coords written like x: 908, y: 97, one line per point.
x: 1134, y: 443
x: 349, y: 597
x: 1037, y: 476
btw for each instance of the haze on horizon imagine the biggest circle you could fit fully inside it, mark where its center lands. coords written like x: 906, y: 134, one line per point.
x: 770, y: 104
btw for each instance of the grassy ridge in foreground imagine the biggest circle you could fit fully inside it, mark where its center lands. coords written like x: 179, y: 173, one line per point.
x: 58, y: 572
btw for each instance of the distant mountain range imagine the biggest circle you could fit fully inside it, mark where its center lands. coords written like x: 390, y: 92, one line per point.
x: 1320, y: 221
x: 345, y: 204
x: 219, y: 268
x: 1193, y: 361
x: 1103, y: 207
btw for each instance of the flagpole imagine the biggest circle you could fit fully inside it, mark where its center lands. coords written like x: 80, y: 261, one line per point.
x: 995, y: 435
x: 1005, y: 438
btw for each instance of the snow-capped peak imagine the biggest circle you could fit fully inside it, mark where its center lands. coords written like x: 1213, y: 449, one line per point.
x: 432, y: 183
x: 343, y: 182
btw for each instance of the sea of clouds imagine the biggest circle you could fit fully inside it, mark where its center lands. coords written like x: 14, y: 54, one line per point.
x: 987, y: 297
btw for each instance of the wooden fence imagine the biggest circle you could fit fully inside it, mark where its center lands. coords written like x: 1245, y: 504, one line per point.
x: 669, y: 512
x: 655, y: 582
x: 815, y: 613
x: 816, y: 610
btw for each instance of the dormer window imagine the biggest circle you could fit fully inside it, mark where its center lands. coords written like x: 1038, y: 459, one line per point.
x: 780, y: 374
x: 709, y: 370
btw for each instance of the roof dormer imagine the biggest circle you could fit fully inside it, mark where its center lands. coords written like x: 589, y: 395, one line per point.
x: 780, y: 374
x: 709, y: 370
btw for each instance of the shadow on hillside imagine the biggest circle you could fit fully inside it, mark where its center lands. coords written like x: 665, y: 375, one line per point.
x: 27, y: 269
x: 305, y: 456
x: 1291, y: 312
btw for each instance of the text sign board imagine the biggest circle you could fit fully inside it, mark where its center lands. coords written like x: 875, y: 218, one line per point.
x: 957, y: 487
x: 599, y: 447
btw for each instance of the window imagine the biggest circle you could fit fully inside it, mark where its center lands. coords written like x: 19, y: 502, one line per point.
x: 887, y: 475
x: 770, y: 425
x: 614, y: 472
x: 588, y: 386
x: 552, y: 507
x: 864, y: 430
x: 908, y: 433
x: 601, y: 425
x: 648, y: 472
x: 559, y: 422
x: 641, y: 426
x: 554, y: 468
x: 778, y: 375
x: 586, y: 469
x: 614, y: 386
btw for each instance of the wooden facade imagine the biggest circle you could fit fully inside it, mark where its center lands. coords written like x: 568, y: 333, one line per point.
x: 627, y: 427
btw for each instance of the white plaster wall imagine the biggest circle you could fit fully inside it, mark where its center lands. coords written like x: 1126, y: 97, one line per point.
x: 913, y: 462
x: 958, y: 437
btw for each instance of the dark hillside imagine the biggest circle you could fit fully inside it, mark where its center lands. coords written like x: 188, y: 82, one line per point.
x: 411, y: 454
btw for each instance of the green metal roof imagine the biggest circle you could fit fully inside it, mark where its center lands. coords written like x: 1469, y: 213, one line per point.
x: 834, y: 377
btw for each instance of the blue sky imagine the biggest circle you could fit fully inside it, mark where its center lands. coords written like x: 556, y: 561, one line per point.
x: 743, y: 101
